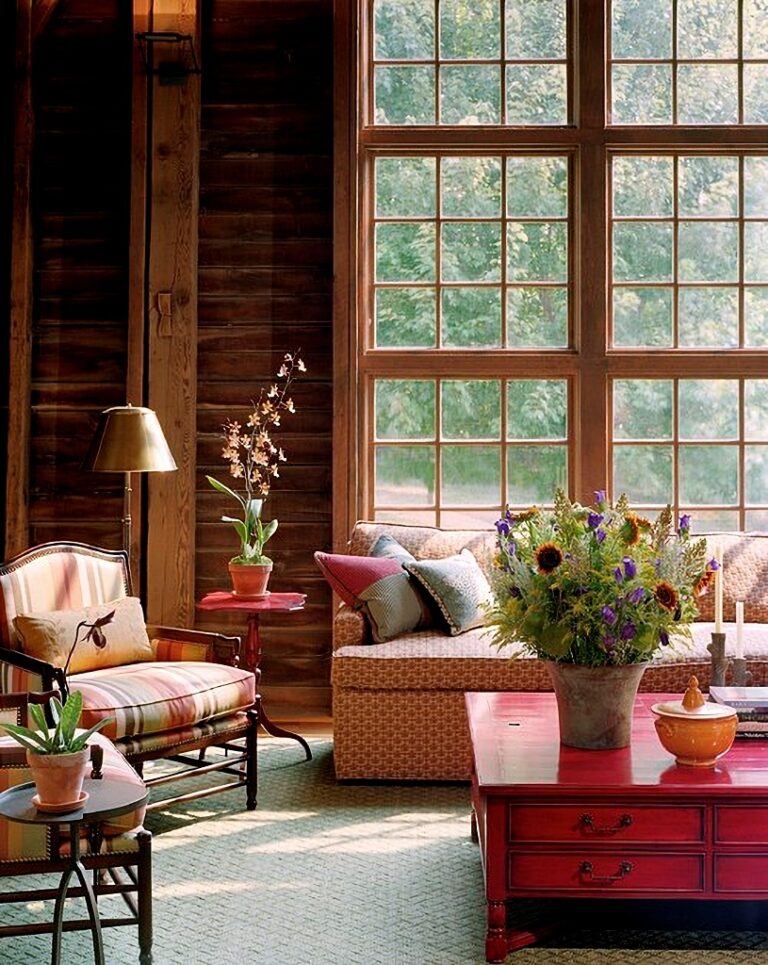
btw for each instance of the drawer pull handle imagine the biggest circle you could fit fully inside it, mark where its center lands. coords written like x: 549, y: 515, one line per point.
x: 589, y: 822
x: 586, y: 868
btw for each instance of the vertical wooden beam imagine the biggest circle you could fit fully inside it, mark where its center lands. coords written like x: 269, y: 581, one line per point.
x: 20, y: 342
x: 172, y: 334
x: 42, y: 12
x: 137, y: 262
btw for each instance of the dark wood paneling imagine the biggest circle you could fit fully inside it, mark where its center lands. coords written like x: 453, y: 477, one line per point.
x: 264, y: 289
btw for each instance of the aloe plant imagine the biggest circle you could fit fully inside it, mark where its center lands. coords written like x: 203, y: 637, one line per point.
x: 62, y: 739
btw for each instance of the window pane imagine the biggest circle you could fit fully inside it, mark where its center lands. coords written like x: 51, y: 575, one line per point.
x: 537, y: 251
x: 707, y: 30
x: 756, y: 317
x: 642, y: 409
x: 535, y: 29
x: 471, y: 475
x: 538, y: 317
x: 470, y: 95
x: 537, y: 409
x: 405, y: 187
x: 536, y: 94
x: 755, y: 29
x: 405, y: 252
x: 756, y: 187
x: 405, y: 475
x: 756, y: 522
x: 405, y: 317
x: 709, y: 317
x: 534, y: 472
x: 756, y: 409
x: 405, y: 409
x: 642, y: 94
x: 471, y: 251
x: 404, y: 29
x: 469, y: 29
x: 709, y: 474
x: 708, y: 251
x: 642, y: 186
x: 471, y: 187
x: 642, y: 317
x: 712, y: 520
x: 404, y: 95
x: 537, y: 187
x: 642, y: 252
x: 756, y: 94
x: 709, y: 409
x: 471, y: 409
x: 707, y: 94
x: 756, y: 251
x: 709, y: 186
x: 471, y: 317
x: 644, y: 473
x: 641, y: 29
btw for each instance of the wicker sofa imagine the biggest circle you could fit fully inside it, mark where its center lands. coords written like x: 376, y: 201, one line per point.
x: 398, y: 707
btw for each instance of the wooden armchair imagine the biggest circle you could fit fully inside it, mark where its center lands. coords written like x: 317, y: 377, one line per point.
x: 119, y: 854
x: 169, y: 691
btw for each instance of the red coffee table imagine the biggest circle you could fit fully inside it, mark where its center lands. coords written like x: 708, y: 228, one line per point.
x: 559, y: 822
x: 274, y: 603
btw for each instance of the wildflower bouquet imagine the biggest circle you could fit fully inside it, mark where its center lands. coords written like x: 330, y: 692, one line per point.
x: 254, y: 458
x: 595, y: 586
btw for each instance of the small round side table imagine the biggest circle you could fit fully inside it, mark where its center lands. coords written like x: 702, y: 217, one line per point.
x: 274, y: 603
x: 106, y: 799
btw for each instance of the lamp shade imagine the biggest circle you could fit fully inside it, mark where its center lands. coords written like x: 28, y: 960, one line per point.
x: 129, y: 439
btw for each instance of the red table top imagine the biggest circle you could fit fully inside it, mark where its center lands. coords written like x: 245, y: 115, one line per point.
x: 226, y: 600
x: 516, y: 747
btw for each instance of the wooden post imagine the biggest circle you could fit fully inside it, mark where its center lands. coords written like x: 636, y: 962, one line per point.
x: 20, y: 342
x: 172, y: 334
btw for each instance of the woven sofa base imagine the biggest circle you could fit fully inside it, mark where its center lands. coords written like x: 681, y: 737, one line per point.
x: 422, y: 735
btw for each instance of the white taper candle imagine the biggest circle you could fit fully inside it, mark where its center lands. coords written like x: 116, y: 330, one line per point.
x: 739, y: 653
x: 718, y: 555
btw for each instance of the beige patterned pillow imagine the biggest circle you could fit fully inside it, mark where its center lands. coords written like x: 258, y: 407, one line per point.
x: 49, y: 636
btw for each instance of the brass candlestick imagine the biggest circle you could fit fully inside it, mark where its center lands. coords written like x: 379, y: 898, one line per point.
x: 719, y: 659
x: 741, y: 676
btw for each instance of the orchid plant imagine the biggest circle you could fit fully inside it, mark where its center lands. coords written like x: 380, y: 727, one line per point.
x: 595, y: 585
x: 254, y: 458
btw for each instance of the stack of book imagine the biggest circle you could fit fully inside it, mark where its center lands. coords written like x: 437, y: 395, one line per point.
x: 751, y: 706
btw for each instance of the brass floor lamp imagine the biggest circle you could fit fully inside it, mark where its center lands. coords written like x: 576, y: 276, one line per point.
x: 129, y: 439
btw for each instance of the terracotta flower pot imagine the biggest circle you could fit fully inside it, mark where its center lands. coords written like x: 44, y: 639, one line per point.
x: 595, y: 704
x: 249, y: 580
x: 58, y: 777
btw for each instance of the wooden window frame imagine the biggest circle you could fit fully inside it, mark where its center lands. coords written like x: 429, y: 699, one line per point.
x: 590, y: 364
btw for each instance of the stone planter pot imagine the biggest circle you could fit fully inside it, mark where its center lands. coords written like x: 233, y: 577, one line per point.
x: 249, y: 580
x: 595, y: 704
x: 58, y: 778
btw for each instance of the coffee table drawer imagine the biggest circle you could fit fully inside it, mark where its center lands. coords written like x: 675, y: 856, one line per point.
x: 605, y: 871
x: 741, y: 825
x: 567, y: 823
x: 741, y: 873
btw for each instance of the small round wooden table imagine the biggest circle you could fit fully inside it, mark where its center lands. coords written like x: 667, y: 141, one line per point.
x: 106, y: 799
x: 273, y: 603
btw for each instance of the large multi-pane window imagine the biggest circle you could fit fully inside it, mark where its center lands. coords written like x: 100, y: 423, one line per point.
x: 559, y: 268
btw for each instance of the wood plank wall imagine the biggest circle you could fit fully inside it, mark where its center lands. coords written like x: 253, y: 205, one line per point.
x: 265, y: 281
x: 80, y: 195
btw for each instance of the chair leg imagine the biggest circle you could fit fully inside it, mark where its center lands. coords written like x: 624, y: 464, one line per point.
x: 251, y: 767
x: 144, y: 875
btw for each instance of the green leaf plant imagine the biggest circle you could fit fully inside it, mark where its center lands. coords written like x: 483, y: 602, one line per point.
x: 63, y: 739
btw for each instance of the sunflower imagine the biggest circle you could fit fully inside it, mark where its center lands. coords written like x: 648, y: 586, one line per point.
x: 666, y: 596
x: 703, y: 583
x: 630, y: 531
x: 548, y: 557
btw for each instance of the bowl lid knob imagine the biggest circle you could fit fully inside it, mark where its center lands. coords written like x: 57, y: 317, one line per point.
x: 693, y: 697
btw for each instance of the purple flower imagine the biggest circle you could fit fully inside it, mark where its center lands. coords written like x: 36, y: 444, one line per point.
x: 599, y: 497
x: 664, y: 638
x: 713, y: 564
x: 618, y: 575
x: 609, y: 641
x: 636, y: 595
x: 628, y: 631
x: 609, y: 615
x: 630, y: 569
x: 657, y: 565
x: 502, y: 527
x: 594, y: 520
x: 684, y: 524
x: 599, y: 535
x: 514, y: 591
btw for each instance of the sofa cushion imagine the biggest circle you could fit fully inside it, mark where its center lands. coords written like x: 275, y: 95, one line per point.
x: 49, y: 635
x: 458, y: 587
x: 144, y: 698
x: 378, y: 586
x: 745, y: 577
x: 427, y: 542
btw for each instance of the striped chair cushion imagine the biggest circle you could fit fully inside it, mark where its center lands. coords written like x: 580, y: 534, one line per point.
x: 223, y: 728
x: 165, y: 649
x: 58, y: 580
x: 145, y: 698
x: 14, y: 680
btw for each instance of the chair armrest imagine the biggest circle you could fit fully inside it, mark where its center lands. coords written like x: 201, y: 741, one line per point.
x: 185, y: 644
x: 350, y: 628
x: 49, y: 674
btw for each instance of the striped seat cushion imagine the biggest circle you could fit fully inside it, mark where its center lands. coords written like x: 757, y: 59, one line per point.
x: 146, y: 698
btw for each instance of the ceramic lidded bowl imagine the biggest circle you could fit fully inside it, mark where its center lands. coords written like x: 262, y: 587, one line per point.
x: 696, y: 732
